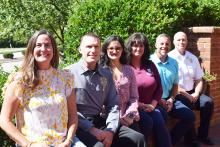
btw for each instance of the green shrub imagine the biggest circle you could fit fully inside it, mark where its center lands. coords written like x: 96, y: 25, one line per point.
x: 209, y: 77
x: 23, y: 52
x: 5, y: 141
x: 3, y: 78
x: 8, y: 55
x: 122, y: 17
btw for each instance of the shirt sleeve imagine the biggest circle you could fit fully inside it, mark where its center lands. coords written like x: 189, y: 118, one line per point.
x: 199, y: 72
x: 17, y: 78
x: 84, y: 123
x: 112, y: 108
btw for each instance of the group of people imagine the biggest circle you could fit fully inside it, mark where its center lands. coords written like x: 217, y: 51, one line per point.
x: 116, y: 95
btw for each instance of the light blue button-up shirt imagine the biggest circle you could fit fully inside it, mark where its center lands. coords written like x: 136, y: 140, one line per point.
x: 168, y: 73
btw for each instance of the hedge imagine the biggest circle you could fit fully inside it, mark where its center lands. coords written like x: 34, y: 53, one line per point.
x: 122, y: 17
x: 8, y: 55
x: 4, y: 139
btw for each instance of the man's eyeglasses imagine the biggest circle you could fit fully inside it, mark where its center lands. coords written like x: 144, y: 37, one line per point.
x: 117, y: 49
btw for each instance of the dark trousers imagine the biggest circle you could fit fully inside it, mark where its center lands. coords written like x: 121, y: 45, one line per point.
x: 153, y: 122
x: 206, y: 106
x: 122, y: 138
x: 185, y: 121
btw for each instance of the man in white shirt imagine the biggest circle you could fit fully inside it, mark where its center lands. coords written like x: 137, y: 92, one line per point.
x: 190, y: 87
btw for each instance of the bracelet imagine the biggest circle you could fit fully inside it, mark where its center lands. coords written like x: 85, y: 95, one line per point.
x: 70, y: 140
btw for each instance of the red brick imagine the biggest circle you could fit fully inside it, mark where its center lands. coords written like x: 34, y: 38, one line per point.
x: 205, y: 42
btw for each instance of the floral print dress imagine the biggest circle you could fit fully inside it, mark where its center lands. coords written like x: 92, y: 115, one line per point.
x: 42, y: 115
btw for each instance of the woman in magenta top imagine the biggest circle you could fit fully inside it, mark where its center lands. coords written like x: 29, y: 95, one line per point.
x: 149, y: 88
x: 114, y: 57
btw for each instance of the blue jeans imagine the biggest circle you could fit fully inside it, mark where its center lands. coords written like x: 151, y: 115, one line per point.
x: 154, y: 120
x: 77, y: 143
x: 185, y: 122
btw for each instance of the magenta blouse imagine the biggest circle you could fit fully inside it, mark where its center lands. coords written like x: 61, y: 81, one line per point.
x: 148, y: 83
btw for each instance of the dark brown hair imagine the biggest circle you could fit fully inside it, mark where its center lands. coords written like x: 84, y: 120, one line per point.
x: 138, y: 38
x: 105, y: 61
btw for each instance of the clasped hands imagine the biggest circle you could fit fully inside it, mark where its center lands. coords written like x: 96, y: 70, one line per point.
x: 128, y: 118
x: 146, y: 107
x: 103, y: 136
x: 167, y: 104
x: 192, y: 97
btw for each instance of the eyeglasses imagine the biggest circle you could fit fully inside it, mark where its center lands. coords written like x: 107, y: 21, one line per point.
x: 117, y: 49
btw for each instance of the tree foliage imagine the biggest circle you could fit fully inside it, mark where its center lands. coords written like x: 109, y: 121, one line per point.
x: 122, y: 17
x: 20, y: 18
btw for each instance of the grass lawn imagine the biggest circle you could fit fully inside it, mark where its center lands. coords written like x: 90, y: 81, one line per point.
x: 13, y: 50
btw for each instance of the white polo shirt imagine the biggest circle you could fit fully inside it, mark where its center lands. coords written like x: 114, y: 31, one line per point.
x: 189, y: 69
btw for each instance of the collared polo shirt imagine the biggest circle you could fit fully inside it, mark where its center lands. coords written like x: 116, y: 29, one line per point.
x: 189, y: 69
x: 168, y: 73
x: 95, y: 89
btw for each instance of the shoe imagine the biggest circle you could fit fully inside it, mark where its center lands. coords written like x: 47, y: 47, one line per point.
x: 206, y: 141
x: 194, y: 143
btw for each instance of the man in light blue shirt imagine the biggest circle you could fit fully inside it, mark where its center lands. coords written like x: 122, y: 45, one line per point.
x: 168, y: 73
x: 168, y: 70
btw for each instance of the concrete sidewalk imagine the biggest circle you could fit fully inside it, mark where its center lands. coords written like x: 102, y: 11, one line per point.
x: 214, y: 134
x: 9, y: 65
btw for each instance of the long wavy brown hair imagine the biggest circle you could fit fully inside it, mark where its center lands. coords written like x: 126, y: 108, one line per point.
x: 29, y: 67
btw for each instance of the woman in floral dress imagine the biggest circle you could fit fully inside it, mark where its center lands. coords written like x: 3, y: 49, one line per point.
x: 41, y: 97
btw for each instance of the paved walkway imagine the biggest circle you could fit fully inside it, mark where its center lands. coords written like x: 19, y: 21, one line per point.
x: 9, y: 65
x: 214, y: 134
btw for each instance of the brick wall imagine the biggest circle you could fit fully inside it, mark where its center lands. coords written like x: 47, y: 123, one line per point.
x: 205, y: 42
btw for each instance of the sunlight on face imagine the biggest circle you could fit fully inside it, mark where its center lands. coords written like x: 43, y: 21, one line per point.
x: 180, y: 41
x: 90, y: 49
x: 43, y: 51
x: 163, y: 45
x: 137, y: 50
x: 114, y: 51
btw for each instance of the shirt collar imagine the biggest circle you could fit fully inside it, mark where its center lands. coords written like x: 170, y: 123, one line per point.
x: 180, y: 55
x: 45, y: 71
x: 83, y: 68
x: 177, y: 52
x: 157, y: 60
